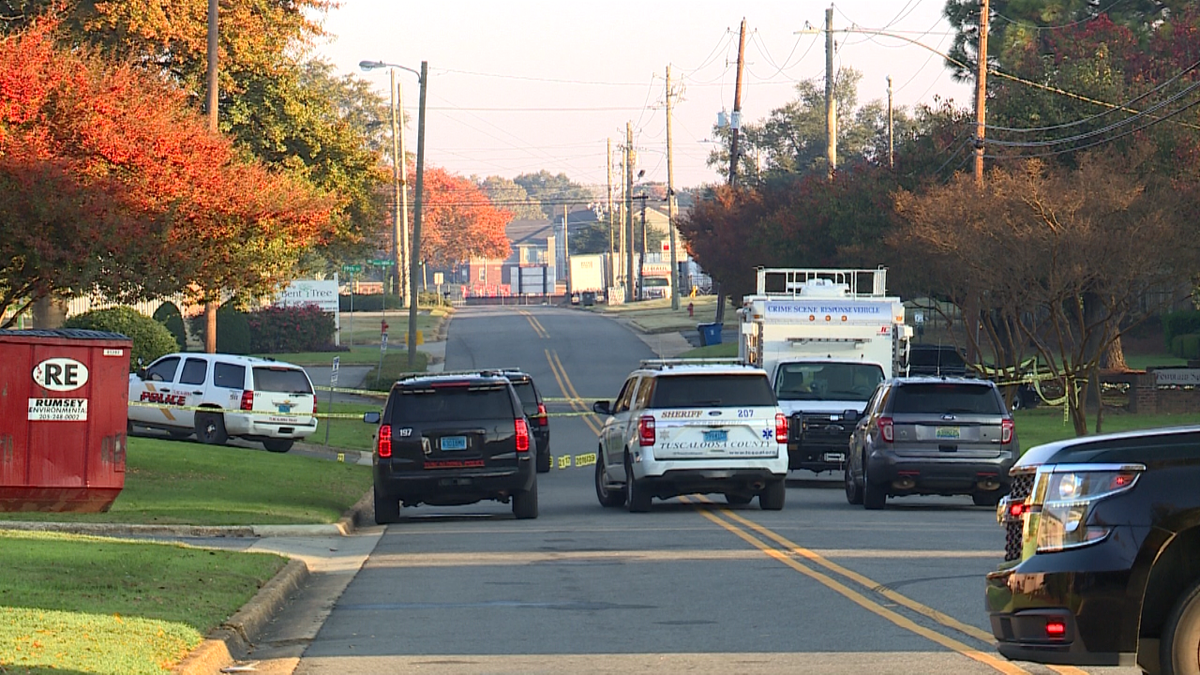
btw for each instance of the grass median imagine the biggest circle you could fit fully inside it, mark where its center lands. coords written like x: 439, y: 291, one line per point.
x: 72, y: 603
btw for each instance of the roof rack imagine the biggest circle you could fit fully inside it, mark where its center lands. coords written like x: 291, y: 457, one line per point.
x: 478, y: 372
x: 671, y: 363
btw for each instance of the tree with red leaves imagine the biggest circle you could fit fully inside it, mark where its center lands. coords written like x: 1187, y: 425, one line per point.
x: 459, y: 221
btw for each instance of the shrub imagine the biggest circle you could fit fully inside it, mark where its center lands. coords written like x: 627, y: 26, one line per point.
x: 150, y: 338
x: 169, y: 315
x: 282, y: 330
x: 1179, y: 323
x: 1186, y: 346
x: 369, y: 303
x: 233, y: 330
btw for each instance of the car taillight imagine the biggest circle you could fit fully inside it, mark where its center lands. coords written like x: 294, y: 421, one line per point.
x: 646, y: 435
x: 385, y: 440
x: 886, y: 430
x: 542, y: 419
x: 314, y: 405
x: 247, y: 400
x: 1006, y: 431
x: 781, y: 428
x: 522, y: 435
x: 1056, y: 628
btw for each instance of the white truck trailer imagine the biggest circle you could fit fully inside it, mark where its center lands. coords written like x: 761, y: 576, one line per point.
x: 826, y: 337
x: 587, y: 275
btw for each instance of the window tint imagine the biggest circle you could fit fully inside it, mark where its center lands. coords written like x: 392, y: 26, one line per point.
x: 703, y: 391
x: 643, y: 394
x: 284, y: 380
x: 528, y: 396
x: 229, y: 375
x: 946, y: 398
x: 194, y: 371
x: 163, y: 371
x: 452, y: 404
x: 827, y: 381
x: 625, y: 397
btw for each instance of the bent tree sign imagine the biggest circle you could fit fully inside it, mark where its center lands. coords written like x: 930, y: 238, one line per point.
x: 322, y: 293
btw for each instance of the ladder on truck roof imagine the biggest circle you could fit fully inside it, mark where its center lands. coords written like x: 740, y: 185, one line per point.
x: 789, y: 282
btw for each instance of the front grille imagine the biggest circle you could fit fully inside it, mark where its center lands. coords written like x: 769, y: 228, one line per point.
x: 1022, y: 486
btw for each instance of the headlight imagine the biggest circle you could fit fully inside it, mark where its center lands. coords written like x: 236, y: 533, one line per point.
x: 1064, y: 497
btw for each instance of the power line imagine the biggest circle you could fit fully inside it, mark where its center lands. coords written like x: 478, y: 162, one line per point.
x: 1033, y: 26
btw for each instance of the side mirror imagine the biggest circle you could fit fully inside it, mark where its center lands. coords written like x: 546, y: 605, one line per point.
x: 141, y: 372
x: 371, y: 417
x: 851, y: 414
x: 602, y: 407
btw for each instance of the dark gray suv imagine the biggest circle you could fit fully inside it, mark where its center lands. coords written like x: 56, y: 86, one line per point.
x: 931, y: 436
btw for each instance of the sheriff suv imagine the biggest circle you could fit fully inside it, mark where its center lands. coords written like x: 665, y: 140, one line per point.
x: 1102, y: 559
x: 692, y: 426
x: 452, y: 439
x: 222, y: 396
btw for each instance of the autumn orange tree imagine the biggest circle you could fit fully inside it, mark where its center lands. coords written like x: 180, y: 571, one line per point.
x: 459, y: 220
x: 111, y: 181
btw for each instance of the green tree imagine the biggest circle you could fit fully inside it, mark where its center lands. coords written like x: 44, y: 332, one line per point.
x: 553, y: 191
x: 507, y: 194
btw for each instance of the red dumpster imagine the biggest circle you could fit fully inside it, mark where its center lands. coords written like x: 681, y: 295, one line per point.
x: 63, y: 407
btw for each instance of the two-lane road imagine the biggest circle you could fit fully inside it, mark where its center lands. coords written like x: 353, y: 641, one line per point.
x: 692, y: 586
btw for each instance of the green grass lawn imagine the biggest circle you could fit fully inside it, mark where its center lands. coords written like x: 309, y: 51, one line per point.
x: 361, y: 335
x: 350, y: 434
x: 1045, y: 424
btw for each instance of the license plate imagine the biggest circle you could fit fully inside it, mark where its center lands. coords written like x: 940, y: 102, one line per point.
x: 947, y: 432
x: 453, y: 443
x: 834, y: 457
x: 717, y: 436
x: 284, y: 408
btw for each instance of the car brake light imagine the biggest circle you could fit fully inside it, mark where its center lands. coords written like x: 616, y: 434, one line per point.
x: 314, y: 405
x: 522, y: 435
x: 886, y: 430
x: 247, y: 400
x: 542, y: 419
x: 1006, y: 431
x: 646, y: 435
x: 1056, y: 628
x: 385, y: 440
x: 781, y: 428
x: 1017, y: 509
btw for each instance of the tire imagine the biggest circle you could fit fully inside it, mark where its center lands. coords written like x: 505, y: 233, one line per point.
x: 543, y: 461
x: 990, y: 498
x: 773, y: 496
x: 735, y: 499
x: 608, y: 499
x: 278, y: 444
x: 1179, y: 649
x: 636, y: 497
x: 854, y: 491
x: 874, y: 496
x: 525, y: 504
x: 210, y: 428
x: 387, y: 509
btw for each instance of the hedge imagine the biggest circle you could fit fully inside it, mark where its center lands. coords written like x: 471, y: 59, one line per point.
x: 150, y: 338
x: 233, y: 330
x: 283, y: 330
x: 1179, y: 323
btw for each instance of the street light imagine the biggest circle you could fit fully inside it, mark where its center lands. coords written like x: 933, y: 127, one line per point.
x: 415, y: 251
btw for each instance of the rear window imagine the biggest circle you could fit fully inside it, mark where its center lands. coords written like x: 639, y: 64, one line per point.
x: 527, y: 395
x: 452, y: 404
x: 941, y: 397
x: 710, y: 391
x: 282, y: 380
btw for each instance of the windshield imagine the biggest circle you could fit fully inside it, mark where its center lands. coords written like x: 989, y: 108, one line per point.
x: 282, y: 380
x: 827, y: 381
x: 710, y: 391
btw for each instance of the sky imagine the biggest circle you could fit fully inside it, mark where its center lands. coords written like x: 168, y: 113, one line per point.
x: 521, y: 86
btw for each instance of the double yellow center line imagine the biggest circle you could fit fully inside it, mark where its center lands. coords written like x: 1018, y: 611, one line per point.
x: 568, y: 389
x: 537, y: 325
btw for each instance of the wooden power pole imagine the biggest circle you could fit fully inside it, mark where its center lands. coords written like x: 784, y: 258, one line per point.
x: 981, y: 91
x: 830, y: 102
x: 610, y: 278
x: 210, y: 307
x: 628, y: 212
x: 671, y: 201
x: 736, y: 122
x: 891, y: 130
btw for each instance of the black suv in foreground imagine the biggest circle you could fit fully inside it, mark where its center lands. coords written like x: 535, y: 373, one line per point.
x: 450, y: 440
x: 1102, y: 561
x: 931, y: 436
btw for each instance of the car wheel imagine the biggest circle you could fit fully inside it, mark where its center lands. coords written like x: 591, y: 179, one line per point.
x: 210, y: 428
x: 735, y: 499
x: 636, y: 497
x: 989, y: 498
x: 874, y: 496
x: 278, y: 444
x: 387, y: 508
x: 525, y: 504
x: 608, y: 498
x: 773, y: 496
x: 1179, y: 650
x: 543, y: 461
x: 854, y: 491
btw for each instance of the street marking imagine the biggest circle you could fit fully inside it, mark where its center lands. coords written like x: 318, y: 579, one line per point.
x: 852, y: 595
x: 537, y: 325
x: 568, y: 390
x: 492, y: 559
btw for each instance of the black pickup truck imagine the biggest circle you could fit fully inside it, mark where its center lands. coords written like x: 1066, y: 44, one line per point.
x: 1102, y: 559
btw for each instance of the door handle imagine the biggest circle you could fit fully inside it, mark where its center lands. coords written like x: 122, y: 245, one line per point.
x: 198, y: 393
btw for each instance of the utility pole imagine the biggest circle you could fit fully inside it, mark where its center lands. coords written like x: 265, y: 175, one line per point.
x: 981, y: 91
x: 629, y: 212
x: 415, y: 256
x: 642, y: 260
x: 737, y: 106
x: 210, y: 307
x: 671, y: 201
x: 830, y: 102
x: 612, y: 263
x: 891, y: 131
x: 401, y: 223
x: 567, y: 251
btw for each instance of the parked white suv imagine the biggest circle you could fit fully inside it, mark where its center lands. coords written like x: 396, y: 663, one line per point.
x: 251, y: 398
x: 689, y: 426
